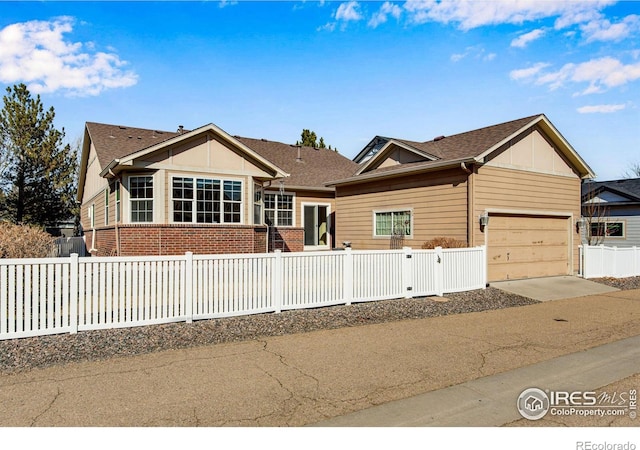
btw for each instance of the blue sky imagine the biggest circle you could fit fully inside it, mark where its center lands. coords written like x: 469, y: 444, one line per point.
x: 347, y: 70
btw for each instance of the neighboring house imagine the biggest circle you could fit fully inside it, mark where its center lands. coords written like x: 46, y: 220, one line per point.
x: 514, y: 187
x: 149, y: 192
x: 611, y: 211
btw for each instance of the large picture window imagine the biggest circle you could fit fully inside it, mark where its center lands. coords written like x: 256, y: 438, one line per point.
x: 141, y: 195
x: 205, y: 200
x: 278, y: 209
x: 389, y: 223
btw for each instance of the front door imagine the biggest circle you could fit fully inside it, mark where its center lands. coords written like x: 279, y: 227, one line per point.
x: 316, y: 226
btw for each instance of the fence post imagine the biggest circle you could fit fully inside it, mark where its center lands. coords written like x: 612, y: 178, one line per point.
x: 483, y: 264
x: 407, y: 271
x: 277, y: 277
x: 636, y: 265
x: 614, y: 264
x: 438, y: 272
x: 188, y: 286
x: 347, y: 282
x: 580, y: 262
x: 74, y: 297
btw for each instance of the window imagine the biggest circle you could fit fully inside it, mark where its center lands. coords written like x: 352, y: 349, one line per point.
x: 232, y: 201
x: 141, y: 194
x: 106, y: 206
x: 91, y: 212
x: 388, y: 223
x: 278, y: 209
x: 203, y: 200
x: 183, y: 199
x: 257, y: 205
x: 117, y: 191
x: 608, y: 229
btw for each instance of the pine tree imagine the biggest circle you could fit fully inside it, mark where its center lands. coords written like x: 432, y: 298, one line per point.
x: 309, y: 139
x: 39, y: 179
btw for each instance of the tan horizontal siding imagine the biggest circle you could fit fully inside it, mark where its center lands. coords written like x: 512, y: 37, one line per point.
x: 509, y: 189
x: 438, y: 204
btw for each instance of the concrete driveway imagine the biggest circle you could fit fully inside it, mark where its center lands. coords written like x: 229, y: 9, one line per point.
x: 553, y: 288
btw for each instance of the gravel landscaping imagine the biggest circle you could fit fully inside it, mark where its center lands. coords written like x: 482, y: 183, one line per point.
x: 18, y: 355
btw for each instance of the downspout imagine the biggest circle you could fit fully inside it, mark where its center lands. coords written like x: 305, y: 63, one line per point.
x: 470, y: 205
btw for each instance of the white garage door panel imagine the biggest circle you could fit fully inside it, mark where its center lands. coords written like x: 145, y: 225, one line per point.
x: 527, y: 247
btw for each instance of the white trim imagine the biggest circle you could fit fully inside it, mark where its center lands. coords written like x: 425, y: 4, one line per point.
x: 392, y: 210
x: 128, y: 197
x: 293, y: 207
x: 128, y: 160
x: 384, y: 150
x: 221, y: 179
x: 302, y: 224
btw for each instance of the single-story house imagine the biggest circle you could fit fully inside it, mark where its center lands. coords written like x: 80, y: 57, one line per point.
x: 150, y: 192
x: 611, y: 212
x: 514, y: 187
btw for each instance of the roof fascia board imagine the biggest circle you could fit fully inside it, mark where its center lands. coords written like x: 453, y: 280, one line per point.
x: 84, y: 160
x: 554, y: 134
x: 367, y: 148
x: 378, y: 157
x: 278, y: 172
x: 616, y: 191
x: 438, y: 165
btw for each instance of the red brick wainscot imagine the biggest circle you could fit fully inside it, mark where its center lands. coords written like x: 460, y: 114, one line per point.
x: 176, y: 239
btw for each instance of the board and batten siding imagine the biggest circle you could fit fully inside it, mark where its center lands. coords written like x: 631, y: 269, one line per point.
x: 497, y: 188
x: 437, y: 201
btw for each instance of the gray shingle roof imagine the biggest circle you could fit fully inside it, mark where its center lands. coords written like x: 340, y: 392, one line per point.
x: 117, y: 141
x: 470, y: 143
x: 629, y: 187
x: 315, y: 167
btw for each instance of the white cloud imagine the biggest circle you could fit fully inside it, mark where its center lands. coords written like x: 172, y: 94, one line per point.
x: 348, y: 12
x: 475, y: 52
x: 603, y: 30
x: 604, y: 109
x: 490, y: 57
x: 601, y: 74
x: 387, y: 9
x: 530, y: 72
x: 470, y: 14
x: 37, y: 54
x: 524, y: 39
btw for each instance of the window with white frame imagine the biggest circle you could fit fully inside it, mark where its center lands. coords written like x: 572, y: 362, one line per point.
x: 141, y: 198
x: 117, y: 195
x: 91, y: 212
x: 257, y: 205
x: 389, y: 223
x: 278, y: 209
x: 206, y: 200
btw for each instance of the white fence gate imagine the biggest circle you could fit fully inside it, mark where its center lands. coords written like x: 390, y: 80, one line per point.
x: 66, y: 295
x: 600, y: 261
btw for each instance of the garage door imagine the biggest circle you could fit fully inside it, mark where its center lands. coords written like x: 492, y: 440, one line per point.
x: 527, y: 247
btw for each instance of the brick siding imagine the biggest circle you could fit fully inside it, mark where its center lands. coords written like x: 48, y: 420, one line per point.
x: 176, y: 239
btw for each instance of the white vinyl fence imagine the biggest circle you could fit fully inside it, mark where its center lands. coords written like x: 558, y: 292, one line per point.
x: 66, y: 295
x: 600, y: 261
